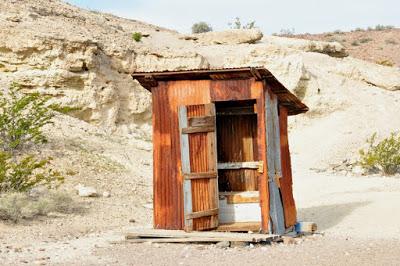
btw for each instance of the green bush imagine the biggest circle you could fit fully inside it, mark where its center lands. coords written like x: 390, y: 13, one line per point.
x: 26, y: 173
x: 384, y: 155
x: 137, y: 36
x: 22, y: 117
x: 237, y: 24
x: 201, y: 27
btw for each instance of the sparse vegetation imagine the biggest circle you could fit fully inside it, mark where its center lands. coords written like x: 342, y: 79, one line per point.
x: 385, y: 62
x: 15, y: 206
x: 365, y: 40
x: 383, y: 156
x: 338, y: 32
x: 391, y: 41
x: 380, y: 27
x: 22, y: 118
x: 201, y: 27
x: 287, y: 32
x: 355, y: 43
x: 25, y: 173
x: 237, y: 24
x: 137, y: 36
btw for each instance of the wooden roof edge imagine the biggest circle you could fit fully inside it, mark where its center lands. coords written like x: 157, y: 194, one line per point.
x: 150, y: 79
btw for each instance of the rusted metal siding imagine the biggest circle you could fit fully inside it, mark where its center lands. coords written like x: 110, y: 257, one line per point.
x: 167, y: 189
x: 289, y: 207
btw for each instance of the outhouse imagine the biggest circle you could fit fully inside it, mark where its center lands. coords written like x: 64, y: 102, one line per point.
x: 220, y: 150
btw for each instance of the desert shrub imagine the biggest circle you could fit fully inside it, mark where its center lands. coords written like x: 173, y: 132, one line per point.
x: 237, y: 24
x: 201, y: 27
x: 26, y: 172
x: 385, y: 62
x: 338, y: 32
x: 380, y: 27
x: 287, y: 32
x: 137, y: 36
x: 358, y: 29
x: 22, y: 117
x: 355, y: 43
x: 391, y: 41
x: 365, y: 40
x: 383, y: 155
x: 15, y: 206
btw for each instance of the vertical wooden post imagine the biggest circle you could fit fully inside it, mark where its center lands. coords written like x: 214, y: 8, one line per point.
x: 187, y: 183
x: 273, y: 161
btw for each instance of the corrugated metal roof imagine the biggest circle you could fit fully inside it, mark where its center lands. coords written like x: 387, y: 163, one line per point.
x: 295, y: 106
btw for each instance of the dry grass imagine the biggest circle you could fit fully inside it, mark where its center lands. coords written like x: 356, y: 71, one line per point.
x: 17, y: 206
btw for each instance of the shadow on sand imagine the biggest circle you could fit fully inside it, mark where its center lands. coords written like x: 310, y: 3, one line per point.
x: 327, y: 216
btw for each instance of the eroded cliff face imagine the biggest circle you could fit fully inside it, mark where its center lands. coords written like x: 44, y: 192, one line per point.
x: 84, y: 59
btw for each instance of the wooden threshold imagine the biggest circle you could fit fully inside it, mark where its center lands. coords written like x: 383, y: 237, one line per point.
x: 239, y: 227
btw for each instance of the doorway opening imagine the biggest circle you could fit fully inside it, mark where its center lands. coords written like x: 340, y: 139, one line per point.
x: 238, y: 166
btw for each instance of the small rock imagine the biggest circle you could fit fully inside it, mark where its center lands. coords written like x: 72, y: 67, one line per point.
x: 86, y: 191
x: 288, y: 240
x: 106, y: 194
x: 358, y: 170
x: 223, y: 244
x: 56, y: 215
x: 132, y: 220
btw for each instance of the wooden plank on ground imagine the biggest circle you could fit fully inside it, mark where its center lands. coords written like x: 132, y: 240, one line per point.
x: 218, y: 236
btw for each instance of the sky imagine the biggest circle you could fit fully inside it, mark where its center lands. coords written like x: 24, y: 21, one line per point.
x: 313, y: 16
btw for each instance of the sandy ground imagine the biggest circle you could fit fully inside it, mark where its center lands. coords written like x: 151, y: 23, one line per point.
x: 358, y: 217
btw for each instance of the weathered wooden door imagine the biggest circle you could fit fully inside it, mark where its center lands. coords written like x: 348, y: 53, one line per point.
x: 274, y: 164
x: 197, y: 125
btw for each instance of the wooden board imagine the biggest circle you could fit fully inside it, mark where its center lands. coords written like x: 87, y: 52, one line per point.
x: 240, y: 197
x: 149, y: 235
x: 239, y: 227
x: 274, y: 168
x: 289, y: 206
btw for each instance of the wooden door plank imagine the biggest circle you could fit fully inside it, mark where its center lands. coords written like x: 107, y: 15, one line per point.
x: 289, y: 206
x: 202, y: 121
x: 202, y: 129
x: 185, y: 159
x: 200, y: 175
x: 212, y: 163
x: 199, y: 214
x: 276, y: 208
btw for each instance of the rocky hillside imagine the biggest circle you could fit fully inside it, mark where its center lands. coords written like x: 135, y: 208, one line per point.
x: 84, y: 59
x: 376, y: 45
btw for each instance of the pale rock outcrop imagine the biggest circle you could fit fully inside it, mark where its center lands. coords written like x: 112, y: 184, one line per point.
x: 234, y: 36
x: 84, y: 59
x: 333, y: 49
